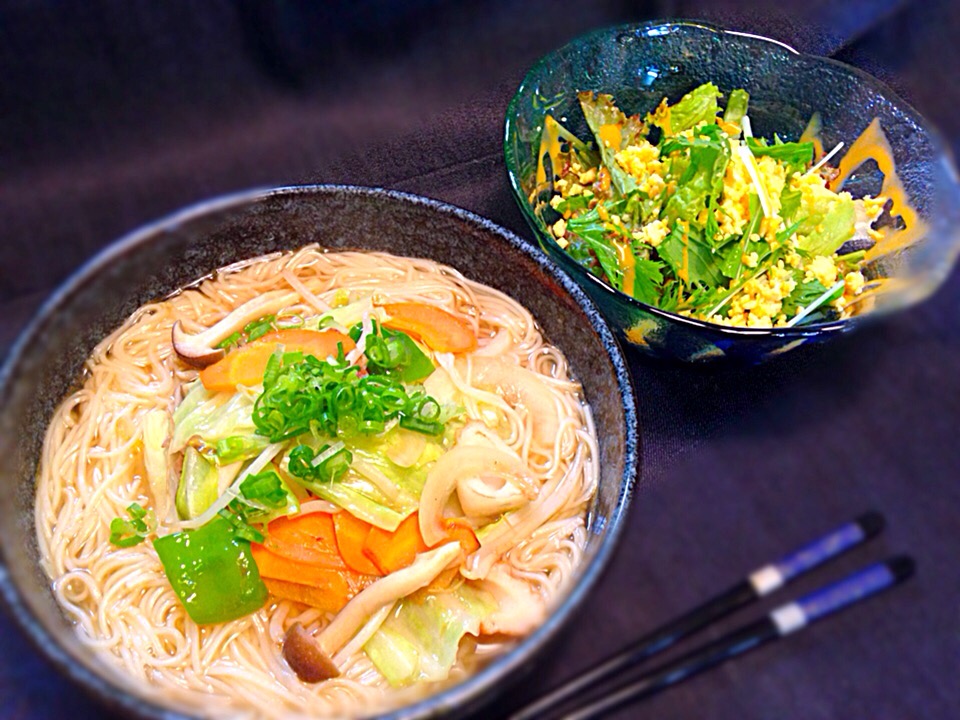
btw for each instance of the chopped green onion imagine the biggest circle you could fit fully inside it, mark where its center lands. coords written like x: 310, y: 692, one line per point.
x: 258, y: 328
x: 127, y: 533
x: 324, y: 466
x: 229, y: 341
x: 238, y: 447
x: 328, y: 397
x: 265, y: 488
x: 242, y: 530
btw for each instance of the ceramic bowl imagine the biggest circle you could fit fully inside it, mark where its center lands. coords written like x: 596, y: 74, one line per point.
x: 158, y: 259
x: 641, y: 64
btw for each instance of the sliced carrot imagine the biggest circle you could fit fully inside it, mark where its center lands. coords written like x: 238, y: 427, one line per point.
x: 440, y: 330
x: 319, y: 343
x: 246, y: 365
x: 392, y: 551
x: 305, y: 538
x: 321, y: 598
x: 339, y: 554
x: 460, y: 530
x: 311, y: 553
x: 351, y: 534
x: 278, y: 567
x: 313, y: 527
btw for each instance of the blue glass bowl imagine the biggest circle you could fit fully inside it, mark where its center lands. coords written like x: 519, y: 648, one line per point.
x: 641, y: 64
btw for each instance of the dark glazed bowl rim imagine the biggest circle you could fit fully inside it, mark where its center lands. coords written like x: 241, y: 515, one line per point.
x: 595, y: 283
x: 462, y: 696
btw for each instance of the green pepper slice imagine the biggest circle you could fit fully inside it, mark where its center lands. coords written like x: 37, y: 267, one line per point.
x: 213, y: 572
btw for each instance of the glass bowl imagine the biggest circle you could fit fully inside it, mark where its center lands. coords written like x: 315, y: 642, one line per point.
x: 640, y: 64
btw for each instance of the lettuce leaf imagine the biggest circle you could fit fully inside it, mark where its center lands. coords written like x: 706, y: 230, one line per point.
x: 789, y: 203
x: 698, y: 105
x: 361, y: 497
x: 613, y: 131
x: 211, y: 416
x: 736, y: 106
x: 421, y: 638
x: 828, y: 223
x: 596, y: 235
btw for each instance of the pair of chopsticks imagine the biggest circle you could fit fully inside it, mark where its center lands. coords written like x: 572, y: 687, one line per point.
x: 579, y: 696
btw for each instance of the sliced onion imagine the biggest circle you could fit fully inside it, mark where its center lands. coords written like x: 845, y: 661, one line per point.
x: 372, y: 473
x: 318, y: 506
x: 366, y: 328
x: 327, y: 454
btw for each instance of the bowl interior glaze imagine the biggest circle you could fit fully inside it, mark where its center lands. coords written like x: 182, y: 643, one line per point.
x: 641, y: 64
x: 160, y: 258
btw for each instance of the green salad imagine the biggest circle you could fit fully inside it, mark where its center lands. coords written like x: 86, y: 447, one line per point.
x: 686, y: 210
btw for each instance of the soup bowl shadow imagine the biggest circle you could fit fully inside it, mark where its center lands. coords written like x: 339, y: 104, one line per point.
x: 158, y: 259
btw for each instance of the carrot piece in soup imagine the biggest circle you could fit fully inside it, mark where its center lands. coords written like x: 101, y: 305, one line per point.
x: 319, y: 343
x: 392, y: 551
x: 312, y: 527
x: 320, y: 598
x: 246, y: 365
x: 305, y: 538
x: 440, y: 330
x: 351, y: 535
x: 277, y: 567
x: 459, y: 530
x: 311, y: 553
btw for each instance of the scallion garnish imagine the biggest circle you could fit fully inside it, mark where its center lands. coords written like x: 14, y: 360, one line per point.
x: 322, y: 466
x: 127, y: 533
x: 307, y: 395
x: 258, y: 328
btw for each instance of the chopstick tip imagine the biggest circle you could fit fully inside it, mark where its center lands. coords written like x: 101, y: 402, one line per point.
x: 872, y: 523
x: 902, y: 567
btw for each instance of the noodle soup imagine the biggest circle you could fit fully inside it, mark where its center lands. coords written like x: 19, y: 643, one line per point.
x: 316, y: 484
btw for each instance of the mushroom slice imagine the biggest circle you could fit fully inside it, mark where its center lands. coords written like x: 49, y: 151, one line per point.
x: 520, y: 608
x: 520, y: 387
x: 200, y: 350
x: 489, y: 495
x: 305, y: 657
x: 387, y: 589
x: 460, y: 463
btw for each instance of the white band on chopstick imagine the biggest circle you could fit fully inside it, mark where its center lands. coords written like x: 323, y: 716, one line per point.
x: 766, y: 579
x: 789, y: 618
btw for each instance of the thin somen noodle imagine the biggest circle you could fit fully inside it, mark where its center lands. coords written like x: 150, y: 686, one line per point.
x: 95, y: 461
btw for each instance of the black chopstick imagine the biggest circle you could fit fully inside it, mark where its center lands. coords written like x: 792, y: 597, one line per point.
x: 761, y: 582
x: 784, y: 620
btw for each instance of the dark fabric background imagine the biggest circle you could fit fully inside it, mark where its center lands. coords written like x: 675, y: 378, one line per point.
x: 113, y: 113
